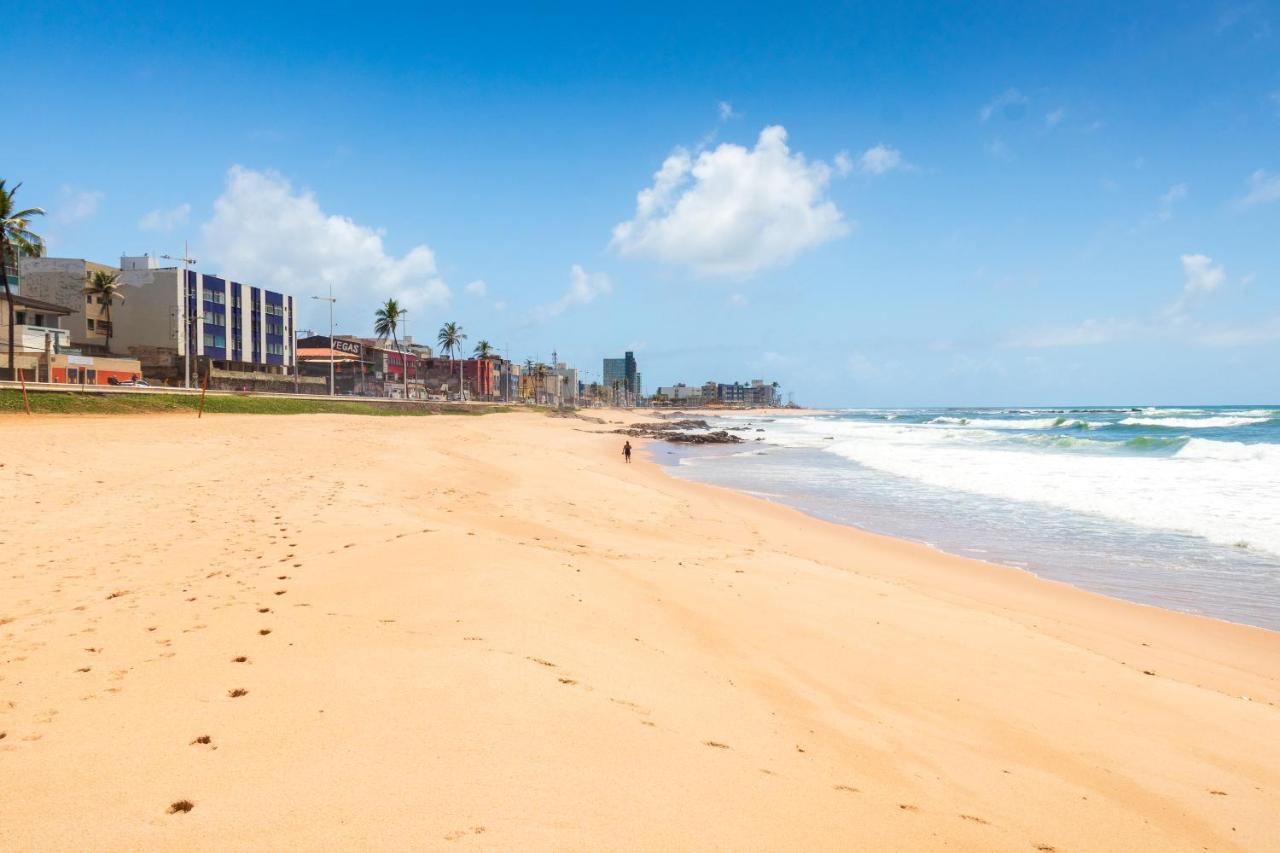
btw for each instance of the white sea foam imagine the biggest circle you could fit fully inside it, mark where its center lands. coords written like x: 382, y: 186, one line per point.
x: 1220, y: 422
x: 1014, y: 423
x: 1226, y: 492
x: 1232, y: 451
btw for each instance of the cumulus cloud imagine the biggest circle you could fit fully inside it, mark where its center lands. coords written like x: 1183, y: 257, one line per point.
x: 77, y: 205
x: 584, y: 288
x: 1264, y: 188
x: 266, y: 233
x: 732, y: 211
x: 477, y: 287
x: 165, y: 220
x: 1010, y: 103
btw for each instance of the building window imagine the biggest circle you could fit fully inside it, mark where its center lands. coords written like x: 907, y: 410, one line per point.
x: 216, y: 318
x: 212, y: 340
x: 89, y: 323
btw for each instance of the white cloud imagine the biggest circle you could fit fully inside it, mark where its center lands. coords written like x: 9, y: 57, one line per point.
x: 477, y: 287
x: 1054, y: 118
x: 583, y: 288
x: 165, y: 220
x: 1264, y: 188
x: 77, y: 205
x: 266, y: 233
x: 1201, y: 275
x: 737, y: 299
x: 732, y: 211
x: 1010, y: 103
x: 881, y: 159
x: 725, y: 109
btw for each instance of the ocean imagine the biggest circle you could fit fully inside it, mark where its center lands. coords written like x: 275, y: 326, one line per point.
x: 1177, y: 507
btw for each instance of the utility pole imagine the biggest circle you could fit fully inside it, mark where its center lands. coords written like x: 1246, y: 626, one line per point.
x: 187, y: 317
x: 333, y: 391
x: 404, y: 353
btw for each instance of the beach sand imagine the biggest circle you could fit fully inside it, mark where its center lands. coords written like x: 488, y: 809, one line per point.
x: 490, y: 633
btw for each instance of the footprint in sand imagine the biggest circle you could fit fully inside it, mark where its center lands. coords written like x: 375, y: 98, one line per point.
x: 975, y: 819
x: 181, y: 807
x: 716, y: 744
x: 239, y: 659
x: 264, y: 631
x: 849, y: 788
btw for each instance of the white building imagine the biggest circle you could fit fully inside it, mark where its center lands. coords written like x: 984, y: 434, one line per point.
x: 237, y: 328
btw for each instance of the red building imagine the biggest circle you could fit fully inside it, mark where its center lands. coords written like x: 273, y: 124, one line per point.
x: 479, y: 376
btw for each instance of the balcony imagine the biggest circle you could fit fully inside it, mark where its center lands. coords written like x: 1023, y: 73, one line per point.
x: 31, y: 339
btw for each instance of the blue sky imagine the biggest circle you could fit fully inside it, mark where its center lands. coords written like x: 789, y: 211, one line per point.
x: 1016, y: 204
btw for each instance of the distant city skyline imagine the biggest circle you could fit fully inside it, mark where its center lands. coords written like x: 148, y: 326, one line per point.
x: 1014, y: 204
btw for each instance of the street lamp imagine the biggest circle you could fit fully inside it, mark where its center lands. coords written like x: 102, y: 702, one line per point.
x: 333, y: 391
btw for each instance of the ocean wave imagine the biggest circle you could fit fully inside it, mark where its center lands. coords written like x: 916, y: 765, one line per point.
x: 1213, y: 489
x: 1229, y: 451
x: 1221, y: 422
x: 1015, y: 423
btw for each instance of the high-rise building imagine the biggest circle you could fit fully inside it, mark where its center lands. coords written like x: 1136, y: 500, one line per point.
x: 633, y: 384
x: 615, y: 374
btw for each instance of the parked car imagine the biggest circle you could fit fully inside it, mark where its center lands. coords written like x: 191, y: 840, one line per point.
x: 137, y: 382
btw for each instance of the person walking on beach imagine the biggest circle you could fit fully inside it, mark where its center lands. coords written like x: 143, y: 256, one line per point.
x: 626, y: 451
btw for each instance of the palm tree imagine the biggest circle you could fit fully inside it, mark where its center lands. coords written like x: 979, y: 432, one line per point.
x: 385, y: 322
x: 105, y: 285
x: 450, y: 339
x: 529, y: 378
x: 15, y: 241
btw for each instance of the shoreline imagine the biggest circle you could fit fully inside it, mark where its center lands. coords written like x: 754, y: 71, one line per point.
x: 474, y: 620
x: 783, y: 502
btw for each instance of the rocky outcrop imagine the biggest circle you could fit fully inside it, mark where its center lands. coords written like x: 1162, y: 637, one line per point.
x: 678, y: 432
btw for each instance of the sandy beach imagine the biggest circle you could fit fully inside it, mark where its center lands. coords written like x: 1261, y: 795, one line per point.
x: 327, y: 632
